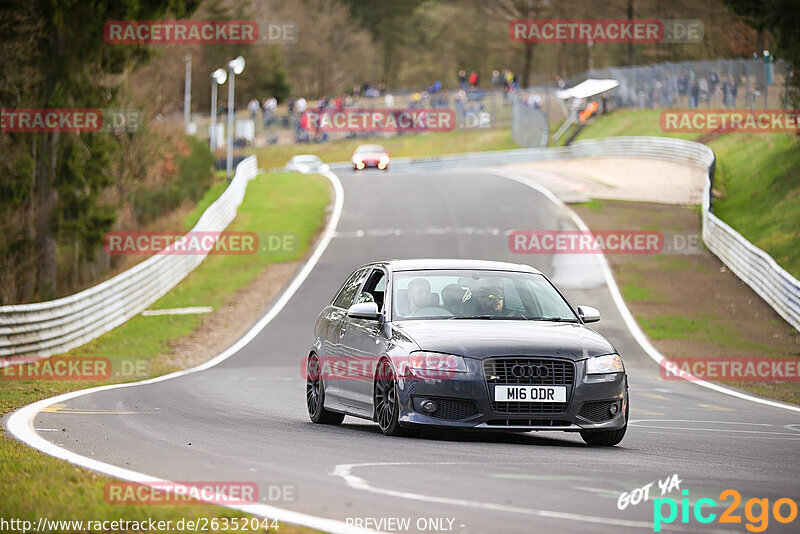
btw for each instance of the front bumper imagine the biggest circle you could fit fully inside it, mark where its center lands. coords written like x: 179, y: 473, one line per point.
x: 465, y: 400
x: 371, y: 163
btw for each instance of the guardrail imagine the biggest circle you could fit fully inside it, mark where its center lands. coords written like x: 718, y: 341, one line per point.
x: 45, y: 328
x: 754, y: 266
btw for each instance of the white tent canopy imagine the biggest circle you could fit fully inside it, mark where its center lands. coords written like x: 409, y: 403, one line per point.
x: 587, y: 89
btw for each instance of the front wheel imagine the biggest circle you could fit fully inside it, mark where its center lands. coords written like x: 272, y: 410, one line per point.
x: 386, y: 404
x: 606, y: 438
x: 315, y: 396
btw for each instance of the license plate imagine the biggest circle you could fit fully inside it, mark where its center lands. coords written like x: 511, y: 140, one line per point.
x: 530, y: 393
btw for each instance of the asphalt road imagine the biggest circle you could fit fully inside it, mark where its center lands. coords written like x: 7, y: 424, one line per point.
x: 245, y: 419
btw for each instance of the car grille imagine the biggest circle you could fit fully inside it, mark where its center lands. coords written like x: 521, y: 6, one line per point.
x: 559, y: 373
x: 597, y: 411
x: 527, y: 422
x: 453, y: 409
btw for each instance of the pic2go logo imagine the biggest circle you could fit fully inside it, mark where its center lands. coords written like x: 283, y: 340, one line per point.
x: 757, y: 521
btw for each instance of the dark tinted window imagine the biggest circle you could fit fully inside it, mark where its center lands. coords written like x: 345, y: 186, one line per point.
x: 348, y: 292
x: 375, y: 288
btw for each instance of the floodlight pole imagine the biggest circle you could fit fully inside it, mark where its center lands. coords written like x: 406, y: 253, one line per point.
x: 187, y: 93
x: 231, y: 113
x: 212, y: 131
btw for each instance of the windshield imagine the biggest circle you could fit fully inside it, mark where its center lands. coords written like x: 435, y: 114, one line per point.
x: 476, y: 294
x: 370, y: 148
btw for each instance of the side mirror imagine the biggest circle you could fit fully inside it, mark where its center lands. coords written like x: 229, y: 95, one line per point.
x: 589, y: 314
x: 364, y: 310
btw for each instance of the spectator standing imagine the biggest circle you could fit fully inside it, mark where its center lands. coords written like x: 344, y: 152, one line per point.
x: 462, y: 78
x: 702, y: 86
x: 713, y: 82
x: 694, y: 92
x: 253, y: 107
x: 270, y: 107
x: 473, y: 79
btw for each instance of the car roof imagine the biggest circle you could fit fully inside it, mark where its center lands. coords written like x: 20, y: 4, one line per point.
x: 364, y: 148
x: 454, y: 264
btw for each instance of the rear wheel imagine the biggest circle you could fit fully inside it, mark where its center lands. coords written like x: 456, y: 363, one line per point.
x: 607, y: 438
x: 387, y: 408
x: 315, y: 396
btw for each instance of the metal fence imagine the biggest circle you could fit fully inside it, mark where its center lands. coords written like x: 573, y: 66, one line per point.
x: 718, y: 83
x: 45, y: 328
x: 710, y: 83
x: 529, y: 125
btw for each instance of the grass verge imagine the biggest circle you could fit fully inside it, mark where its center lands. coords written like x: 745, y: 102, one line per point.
x: 34, y: 485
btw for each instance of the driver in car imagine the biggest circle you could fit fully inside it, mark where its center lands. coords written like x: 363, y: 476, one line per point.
x: 419, y: 294
x: 490, y: 301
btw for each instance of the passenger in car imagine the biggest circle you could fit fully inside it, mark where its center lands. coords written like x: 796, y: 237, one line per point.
x: 419, y: 294
x: 452, y: 298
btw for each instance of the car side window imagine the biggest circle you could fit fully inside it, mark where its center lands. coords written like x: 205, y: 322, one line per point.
x: 375, y: 288
x: 348, y: 292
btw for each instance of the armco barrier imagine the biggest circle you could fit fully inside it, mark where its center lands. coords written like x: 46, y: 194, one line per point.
x: 754, y: 266
x: 46, y: 328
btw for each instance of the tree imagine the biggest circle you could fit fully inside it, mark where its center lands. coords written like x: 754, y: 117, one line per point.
x: 58, y: 177
x: 781, y: 19
x: 520, y: 10
x: 387, y: 21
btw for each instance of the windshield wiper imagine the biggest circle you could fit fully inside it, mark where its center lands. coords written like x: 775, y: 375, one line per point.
x: 472, y: 317
x: 555, y: 319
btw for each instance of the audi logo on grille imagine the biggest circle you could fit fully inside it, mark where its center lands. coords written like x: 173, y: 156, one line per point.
x: 529, y: 371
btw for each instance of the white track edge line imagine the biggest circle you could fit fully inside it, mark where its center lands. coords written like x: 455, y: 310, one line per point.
x: 630, y: 322
x: 20, y: 423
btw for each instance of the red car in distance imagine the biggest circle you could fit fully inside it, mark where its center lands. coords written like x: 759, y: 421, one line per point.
x: 370, y: 156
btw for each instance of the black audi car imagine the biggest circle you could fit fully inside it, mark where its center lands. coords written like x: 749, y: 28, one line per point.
x: 463, y: 344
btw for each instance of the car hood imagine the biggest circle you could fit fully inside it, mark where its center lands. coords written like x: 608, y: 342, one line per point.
x: 484, y: 338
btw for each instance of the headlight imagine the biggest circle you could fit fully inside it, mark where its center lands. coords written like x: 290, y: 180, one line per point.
x: 436, y: 361
x: 385, y: 159
x: 610, y: 363
x: 357, y: 160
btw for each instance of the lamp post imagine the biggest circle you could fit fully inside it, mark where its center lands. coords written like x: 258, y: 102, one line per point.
x: 187, y: 93
x: 218, y: 77
x: 235, y: 66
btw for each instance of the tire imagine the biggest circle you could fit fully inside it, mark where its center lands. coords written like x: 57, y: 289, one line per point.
x: 385, y: 399
x: 607, y: 438
x: 315, y: 396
